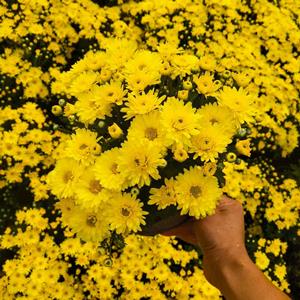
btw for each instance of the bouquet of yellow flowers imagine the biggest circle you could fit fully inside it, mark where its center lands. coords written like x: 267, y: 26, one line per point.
x: 146, y: 140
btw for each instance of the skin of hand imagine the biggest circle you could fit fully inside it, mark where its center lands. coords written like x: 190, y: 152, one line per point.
x: 212, y: 233
x: 225, y: 259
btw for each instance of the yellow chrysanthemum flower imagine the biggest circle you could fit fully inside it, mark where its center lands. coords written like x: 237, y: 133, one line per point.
x: 125, y: 213
x: 107, y: 171
x: 217, y: 116
x: 179, y: 120
x: 63, y: 179
x: 139, y: 161
x: 83, y: 83
x: 208, y: 143
x: 243, y: 147
x: 183, y: 64
x: 205, y: 84
x: 239, y: 101
x: 89, y: 191
x: 142, y: 70
x: 261, y: 260
x: 138, y: 81
x: 167, y: 50
x: 117, y: 57
x: 92, y: 105
x: 165, y: 195
x: 66, y: 206
x: 112, y: 92
x: 141, y: 104
x: 145, y: 61
x: 197, y: 194
x: 83, y: 146
x: 89, y: 224
x: 148, y: 127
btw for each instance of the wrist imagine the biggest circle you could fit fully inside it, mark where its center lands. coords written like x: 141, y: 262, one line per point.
x: 227, y: 255
x: 220, y: 264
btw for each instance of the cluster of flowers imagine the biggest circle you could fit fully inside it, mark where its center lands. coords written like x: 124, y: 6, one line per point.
x: 156, y: 267
x: 111, y: 114
x: 132, y: 138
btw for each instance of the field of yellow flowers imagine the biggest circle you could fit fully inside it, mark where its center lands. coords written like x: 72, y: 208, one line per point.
x: 117, y: 115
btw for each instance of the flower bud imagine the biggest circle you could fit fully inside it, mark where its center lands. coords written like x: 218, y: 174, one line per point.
x: 242, y: 132
x: 61, y: 102
x: 231, y: 156
x: 243, y: 147
x: 108, y: 262
x: 209, y: 169
x: 101, y: 124
x: 115, y: 131
x: 183, y: 95
x: 180, y: 154
x: 134, y: 191
x: 56, y: 110
x: 187, y: 85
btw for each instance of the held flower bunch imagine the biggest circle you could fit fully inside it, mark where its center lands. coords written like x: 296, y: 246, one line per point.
x: 142, y: 137
x: 132, y: 106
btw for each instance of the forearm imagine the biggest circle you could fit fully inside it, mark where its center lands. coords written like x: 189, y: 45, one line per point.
x: 238, y: 278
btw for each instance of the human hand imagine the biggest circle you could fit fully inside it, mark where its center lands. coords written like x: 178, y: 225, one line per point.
x: 220, y: 236
x: 226, y: 263
x: 220, y: 231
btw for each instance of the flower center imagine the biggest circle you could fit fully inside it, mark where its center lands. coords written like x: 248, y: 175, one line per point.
x: 114, y: 168
x: 83, y: 146
x: 95, y: 187
x: 206, y: 144
x: 91, y: 220
x: 125, y: 211
x: 151, y: 133
x: 68, y: 176
x: 195, y: 191
x: 213, y: 121
x: 141, y: 67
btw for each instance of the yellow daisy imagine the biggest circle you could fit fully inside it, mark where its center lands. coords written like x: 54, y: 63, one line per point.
x: 83, y: 83
x: 66, y: 206
x: 239, y: 101
x: 179, y: 120
x: 89, y: 224
x: 92, y: 105
x: 148, y: 127
x: 125, y: 213
x: 83, y: 146
x: 197, y: 194
x: 205, y: 84
x: 141, y: 104
x: 145, y: 61
x: 63, y: 179
x: 208, y: 143
x: 89, y: 191
x: 139, y: 162
x: 218, y: 116
x: 138, y: 81
x: 107, y: 171
x: 112, y: 92
x: 142, y: 69
x: 163, y: 196
x: 119, y: 51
